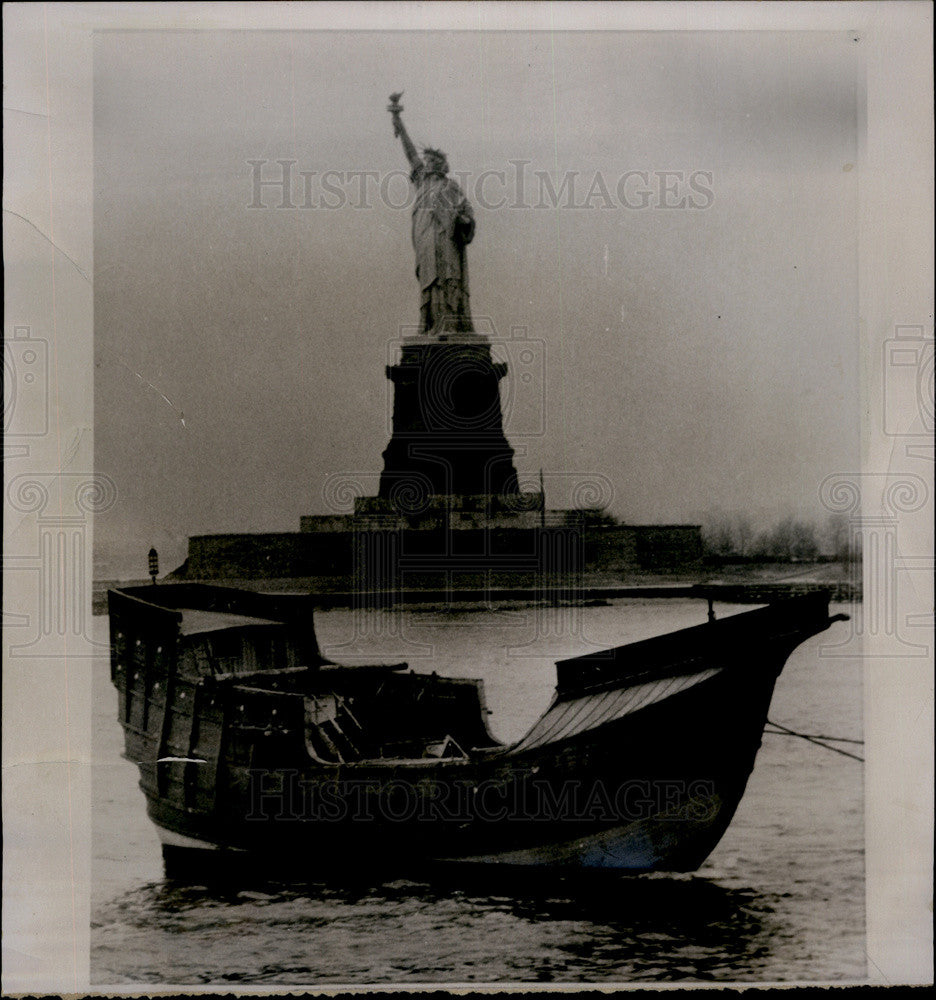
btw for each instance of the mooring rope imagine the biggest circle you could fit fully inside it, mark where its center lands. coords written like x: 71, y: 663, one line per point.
x: 818, y: 736
x: 817, y: 740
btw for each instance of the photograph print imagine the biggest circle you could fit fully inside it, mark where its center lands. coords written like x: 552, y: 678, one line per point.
x: 483, y: 581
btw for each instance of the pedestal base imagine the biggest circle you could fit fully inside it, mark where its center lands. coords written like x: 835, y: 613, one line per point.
x: 448, y: 436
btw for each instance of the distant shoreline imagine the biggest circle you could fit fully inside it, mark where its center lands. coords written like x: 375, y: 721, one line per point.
x: 734, y: 585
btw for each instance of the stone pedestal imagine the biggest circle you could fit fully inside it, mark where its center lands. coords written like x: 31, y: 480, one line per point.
x: 448, y: 436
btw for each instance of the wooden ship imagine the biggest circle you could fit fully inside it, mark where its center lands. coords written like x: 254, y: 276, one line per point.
x: 252, y: 747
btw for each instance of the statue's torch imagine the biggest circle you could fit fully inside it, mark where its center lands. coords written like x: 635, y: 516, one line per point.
x: 394, y: 107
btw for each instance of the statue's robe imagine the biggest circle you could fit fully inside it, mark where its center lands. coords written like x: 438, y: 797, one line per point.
x: 443, y: 226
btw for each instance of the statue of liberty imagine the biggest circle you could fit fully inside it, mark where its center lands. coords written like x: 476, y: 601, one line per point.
x: 443, y: 226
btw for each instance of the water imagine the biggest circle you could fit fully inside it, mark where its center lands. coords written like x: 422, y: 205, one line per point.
x: 780, y: 899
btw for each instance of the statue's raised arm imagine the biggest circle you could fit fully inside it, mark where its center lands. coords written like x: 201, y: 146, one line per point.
x: 399, y: 130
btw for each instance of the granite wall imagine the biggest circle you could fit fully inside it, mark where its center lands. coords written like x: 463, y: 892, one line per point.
x: 370, y: 556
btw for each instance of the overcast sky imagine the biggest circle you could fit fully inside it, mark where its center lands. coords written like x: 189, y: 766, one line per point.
x: 700, y: 357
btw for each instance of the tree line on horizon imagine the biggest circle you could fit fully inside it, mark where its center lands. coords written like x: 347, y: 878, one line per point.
x: 792, y: 539
x: 731, y: 535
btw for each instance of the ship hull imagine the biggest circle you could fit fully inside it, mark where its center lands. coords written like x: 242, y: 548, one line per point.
x: 653, y: 791
x: 637, y: 766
